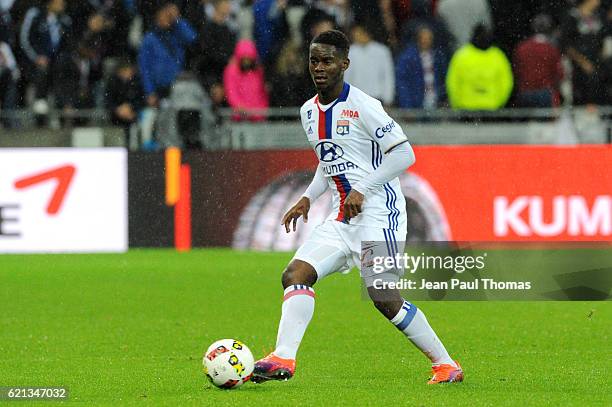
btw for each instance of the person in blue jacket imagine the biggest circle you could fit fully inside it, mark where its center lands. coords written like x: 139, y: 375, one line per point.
x: 270, y: 28
x: 162, y: 53
x: 420, y: 73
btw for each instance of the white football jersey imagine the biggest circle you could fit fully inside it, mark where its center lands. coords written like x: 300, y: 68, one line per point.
x: 350, y: 138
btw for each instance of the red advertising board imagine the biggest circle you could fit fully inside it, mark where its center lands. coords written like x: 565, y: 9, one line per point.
x: 522, y: 193
x: 464, y: 193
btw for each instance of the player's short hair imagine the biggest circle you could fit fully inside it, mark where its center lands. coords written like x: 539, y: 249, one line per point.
x: 335, y: 38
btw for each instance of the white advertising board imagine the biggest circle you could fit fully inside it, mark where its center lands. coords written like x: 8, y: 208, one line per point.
x: 62, y: 200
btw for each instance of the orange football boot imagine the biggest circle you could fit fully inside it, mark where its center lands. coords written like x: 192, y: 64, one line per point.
x: 273, y: 368
x: 446, y: 374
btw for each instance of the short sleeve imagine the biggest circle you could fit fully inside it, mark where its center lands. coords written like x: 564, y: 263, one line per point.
x: 381, y: 127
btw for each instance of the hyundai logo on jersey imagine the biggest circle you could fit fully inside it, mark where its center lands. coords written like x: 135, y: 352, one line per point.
x: 329, y: 151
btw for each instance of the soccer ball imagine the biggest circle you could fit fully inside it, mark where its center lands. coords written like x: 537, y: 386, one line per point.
x: 228, y: 363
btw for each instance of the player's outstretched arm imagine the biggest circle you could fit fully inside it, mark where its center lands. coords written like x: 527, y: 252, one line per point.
x: 301, y: 208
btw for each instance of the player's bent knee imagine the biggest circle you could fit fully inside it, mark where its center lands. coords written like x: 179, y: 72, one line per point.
x: 387, y: 302
x: 388, y: 308
x: 299, y: 272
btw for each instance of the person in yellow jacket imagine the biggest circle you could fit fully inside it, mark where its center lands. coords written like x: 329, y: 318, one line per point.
x: 479, y: 76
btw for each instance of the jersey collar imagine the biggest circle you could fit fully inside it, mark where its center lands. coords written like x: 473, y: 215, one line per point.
x: 342, y: 98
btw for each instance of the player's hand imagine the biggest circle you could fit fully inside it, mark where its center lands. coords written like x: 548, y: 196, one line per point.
x: 301, y: 208
x: 352, y: 205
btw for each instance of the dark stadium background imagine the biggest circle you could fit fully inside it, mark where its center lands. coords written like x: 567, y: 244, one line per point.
x: 146, y: 160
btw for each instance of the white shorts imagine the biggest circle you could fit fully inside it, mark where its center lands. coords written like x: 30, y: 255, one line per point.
x: 336, y: 247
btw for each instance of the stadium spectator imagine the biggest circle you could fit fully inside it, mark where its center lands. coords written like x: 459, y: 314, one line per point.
x: 376, y: 79
x: 197, y: 12
x: 162, y: 53
x: 582, y: 35
x: 479, y: 76
x: 401, y: 10
x: 45, y: 39
x: 339, y: 9
x: 244, y: 83
x: 9, y: 74
x: 290, y: 78
x: 332, y: 13
x: 311, y: 27
x: 537, y: 67
x: 462, y: 16
x: 93, y: 46
x: 369, y: 14
x: 607, y: 55
x: 216, y: 44
x: 9, y: 70
x: 124, y: 97
x: 114, y: 16
x: 75, y: 79
x: 81, y: 13
x: 148, y: 10
x: 422, y: 15
x: 421, y: 71
x: 270, y: 28
x: 388, y: 21
x: 513, y: 20
x: 6, y: 22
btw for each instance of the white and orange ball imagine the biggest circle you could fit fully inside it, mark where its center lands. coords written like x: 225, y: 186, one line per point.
x: 228, y: 363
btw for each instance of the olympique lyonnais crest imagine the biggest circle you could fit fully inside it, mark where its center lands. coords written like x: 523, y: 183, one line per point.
x: 342, y: 127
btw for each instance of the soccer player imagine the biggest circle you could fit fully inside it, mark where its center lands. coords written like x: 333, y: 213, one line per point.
x: 361, y: 152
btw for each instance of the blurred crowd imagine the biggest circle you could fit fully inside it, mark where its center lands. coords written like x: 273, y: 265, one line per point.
x: 126, y: 55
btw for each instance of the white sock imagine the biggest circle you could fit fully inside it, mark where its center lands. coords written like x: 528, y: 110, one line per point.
x: 298, y: 307
x: 412, y: 322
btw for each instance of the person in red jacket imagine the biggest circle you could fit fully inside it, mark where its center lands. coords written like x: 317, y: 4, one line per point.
x: 243, y: 80
x: 537, y: 67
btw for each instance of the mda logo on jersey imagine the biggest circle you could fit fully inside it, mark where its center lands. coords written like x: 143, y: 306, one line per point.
x: 348, y: 113
x: 329, y: 151
x: 342, y: 127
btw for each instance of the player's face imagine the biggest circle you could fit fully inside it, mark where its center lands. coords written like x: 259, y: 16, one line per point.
x: 326, y: 66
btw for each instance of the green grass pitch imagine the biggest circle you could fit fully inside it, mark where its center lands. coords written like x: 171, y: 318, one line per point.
x: 123, y: 329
